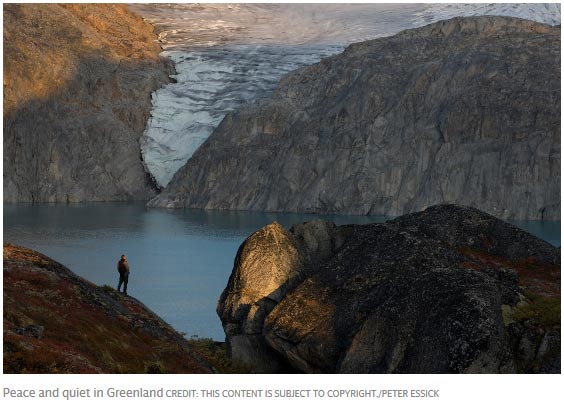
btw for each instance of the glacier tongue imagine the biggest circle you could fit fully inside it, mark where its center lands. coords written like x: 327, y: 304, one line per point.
x: 211, y: 83
x: 228, y: 55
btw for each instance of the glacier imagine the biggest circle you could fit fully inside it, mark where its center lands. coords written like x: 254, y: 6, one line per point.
x: 227, y: 55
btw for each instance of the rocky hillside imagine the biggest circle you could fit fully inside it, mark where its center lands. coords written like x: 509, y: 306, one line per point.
x: 463, y: 111
x: 447, y: 290
x: 77, y: 95
x: 57, y: 322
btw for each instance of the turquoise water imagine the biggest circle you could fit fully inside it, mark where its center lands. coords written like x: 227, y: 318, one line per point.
x: 180, y: 259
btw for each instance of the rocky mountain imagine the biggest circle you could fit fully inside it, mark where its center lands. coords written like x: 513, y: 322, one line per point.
x: 57, y: 322
x: 77, y: 95
x: 447, y: 290
x: 463, y: 111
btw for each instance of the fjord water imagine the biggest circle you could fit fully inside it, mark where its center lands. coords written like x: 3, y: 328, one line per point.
x: 180, y: 259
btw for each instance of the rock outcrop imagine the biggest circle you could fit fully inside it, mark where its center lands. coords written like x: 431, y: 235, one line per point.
x: 57, y: 322
x: 270, y: 263
x: 447, y: 290
x: 77, y: 95
x: 463, y: 111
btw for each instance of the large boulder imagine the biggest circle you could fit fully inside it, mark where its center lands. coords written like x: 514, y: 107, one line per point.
x: 464, y: 111
x: 446, y: 290
x: 268, y: 264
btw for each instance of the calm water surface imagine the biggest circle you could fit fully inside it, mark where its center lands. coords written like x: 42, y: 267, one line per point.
x: 180, y: 259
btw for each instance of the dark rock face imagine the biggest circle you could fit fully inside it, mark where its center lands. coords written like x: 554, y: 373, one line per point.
x: 57, y: 322
x: 464, y: 111
x: 446, y: 290
x: 77, y: 95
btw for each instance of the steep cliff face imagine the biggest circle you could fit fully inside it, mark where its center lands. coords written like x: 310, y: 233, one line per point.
x: 462, y: 111
x: 446, y: 290
x: 57, y: 322
x: 77, y: 87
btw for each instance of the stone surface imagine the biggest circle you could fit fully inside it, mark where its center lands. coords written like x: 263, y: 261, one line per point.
x: 447, y: 290
x: 77, y: 95
x: 57, y: 322
x: 268, y: 265
x: 463, y: 111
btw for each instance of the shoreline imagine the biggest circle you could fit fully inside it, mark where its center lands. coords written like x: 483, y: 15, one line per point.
x: 86, y: 238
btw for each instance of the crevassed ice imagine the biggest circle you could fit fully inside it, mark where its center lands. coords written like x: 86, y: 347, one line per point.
x: 228, y: 55
x: 548, y: 13
x: 210, y: 84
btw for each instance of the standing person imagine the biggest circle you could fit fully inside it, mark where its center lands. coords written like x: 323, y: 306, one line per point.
x: 123, y: 270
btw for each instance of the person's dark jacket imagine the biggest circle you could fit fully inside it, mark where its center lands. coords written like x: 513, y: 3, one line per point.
x: 123, y: 267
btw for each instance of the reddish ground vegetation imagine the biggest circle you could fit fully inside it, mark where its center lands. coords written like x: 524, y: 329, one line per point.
x: 534, y: 276
x: 57, y: 322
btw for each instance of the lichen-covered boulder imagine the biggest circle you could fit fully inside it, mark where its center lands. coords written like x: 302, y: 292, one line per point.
x: 447, y: 290
x: 269, y: 264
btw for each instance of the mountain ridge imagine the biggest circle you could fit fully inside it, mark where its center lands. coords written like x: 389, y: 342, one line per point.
x: 77, y: 96
x: 462, y: 111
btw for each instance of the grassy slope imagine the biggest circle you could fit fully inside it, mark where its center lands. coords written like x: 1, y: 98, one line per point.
x: 57, y: 322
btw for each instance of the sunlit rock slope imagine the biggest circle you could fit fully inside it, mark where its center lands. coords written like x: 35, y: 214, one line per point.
x: 77, y: 95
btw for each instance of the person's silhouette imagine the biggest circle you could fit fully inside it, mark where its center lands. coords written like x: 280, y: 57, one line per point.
x: 123, y: 270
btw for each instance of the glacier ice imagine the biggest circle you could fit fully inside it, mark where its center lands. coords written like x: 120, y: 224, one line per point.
x: 227, y: 55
